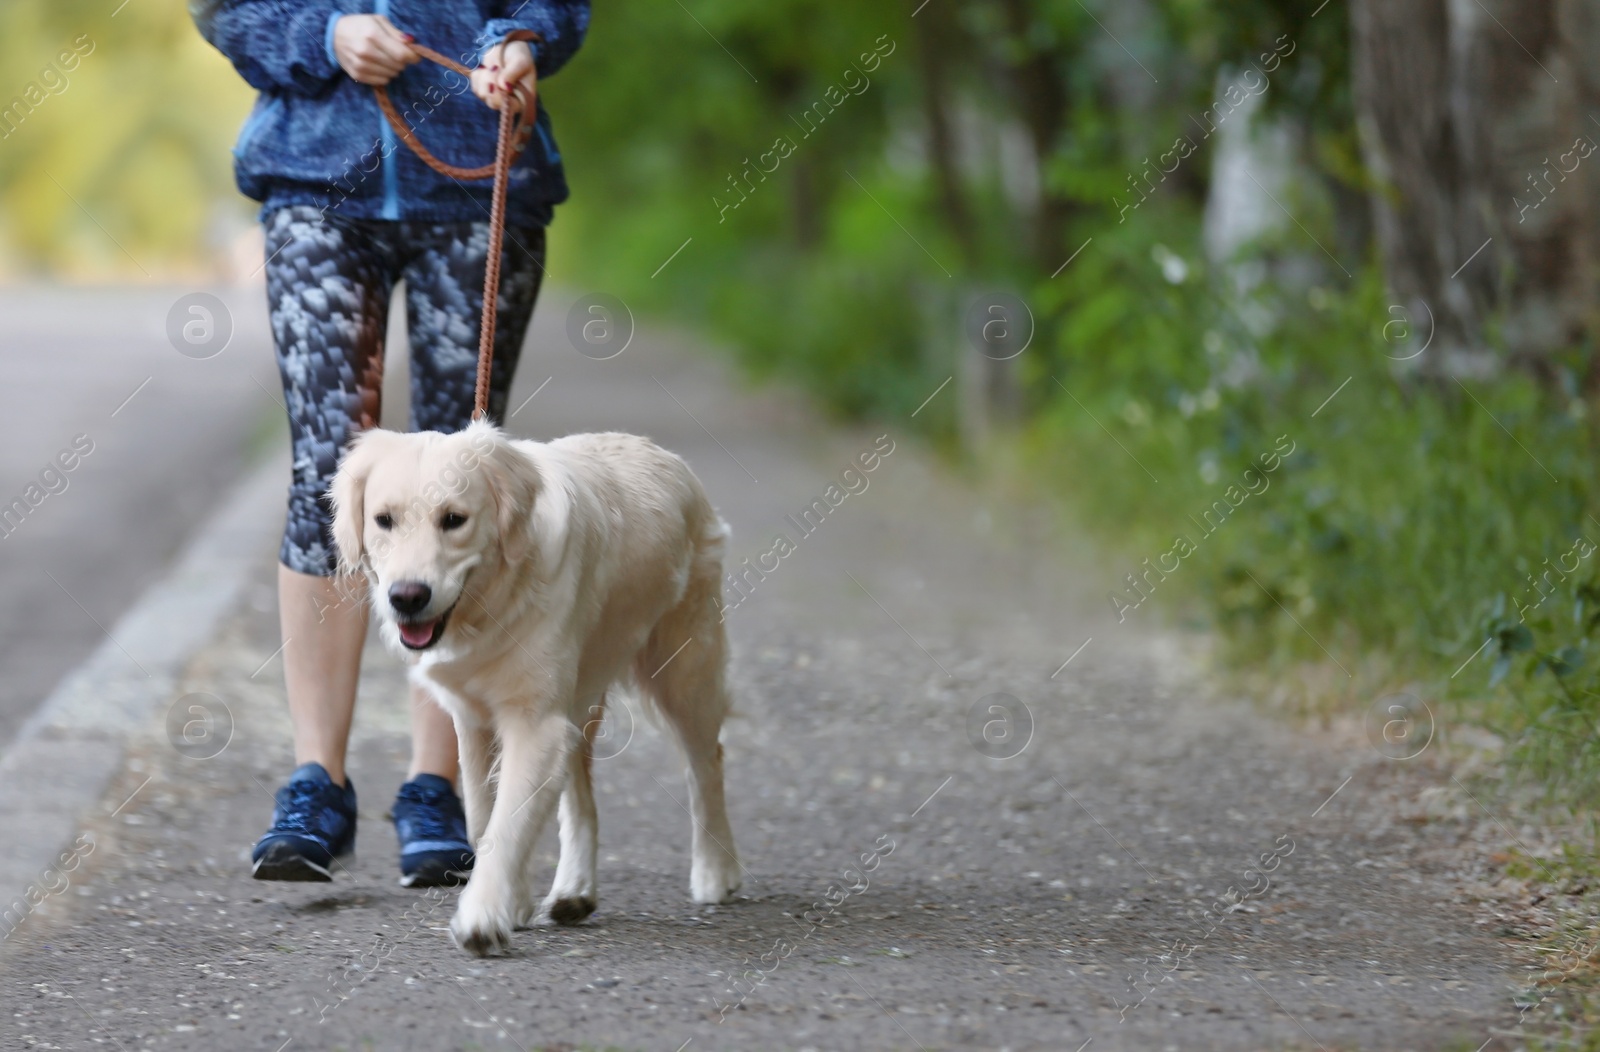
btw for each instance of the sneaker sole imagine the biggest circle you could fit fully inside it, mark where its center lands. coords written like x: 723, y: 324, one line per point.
x: 435, y: 875
x: 283, y: 863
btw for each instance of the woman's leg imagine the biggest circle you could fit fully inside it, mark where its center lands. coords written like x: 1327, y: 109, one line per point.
x: 433, y: 739
x: 444, y: 302
x: 324, y: 623
x: 328, y: 285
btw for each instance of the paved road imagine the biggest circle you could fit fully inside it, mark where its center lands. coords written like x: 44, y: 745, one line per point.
x: 168, y: 433
x: 1006, y: 897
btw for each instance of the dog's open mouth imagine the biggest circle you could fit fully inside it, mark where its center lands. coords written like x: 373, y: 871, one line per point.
x: 420, y: 635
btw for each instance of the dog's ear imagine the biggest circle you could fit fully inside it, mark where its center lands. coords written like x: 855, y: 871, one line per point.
x: 347, y: 494
x: 514, y: 484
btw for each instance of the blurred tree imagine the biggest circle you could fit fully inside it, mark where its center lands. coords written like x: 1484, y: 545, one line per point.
x: 1312, y: 93
x: 1477, y: 126
x: 113, y: 139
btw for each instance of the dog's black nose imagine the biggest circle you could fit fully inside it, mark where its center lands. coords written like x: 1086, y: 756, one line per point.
x: 409, y: 597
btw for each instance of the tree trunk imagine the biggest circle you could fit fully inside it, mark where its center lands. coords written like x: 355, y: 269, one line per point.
x: 1039, y: 88
x: 1473, y: 122
x: 935, y: 67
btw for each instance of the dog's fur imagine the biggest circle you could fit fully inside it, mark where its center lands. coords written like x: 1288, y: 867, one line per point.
x: 583, y: 564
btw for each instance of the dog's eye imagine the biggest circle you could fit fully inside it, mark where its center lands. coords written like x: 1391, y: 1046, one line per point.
x: 384, y: 521
x: 452, y: 521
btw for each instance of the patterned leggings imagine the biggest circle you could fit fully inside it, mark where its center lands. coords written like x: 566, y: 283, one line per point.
x: 328, y: 284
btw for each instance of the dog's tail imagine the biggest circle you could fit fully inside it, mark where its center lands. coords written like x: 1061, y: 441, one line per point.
x: 710, y: 555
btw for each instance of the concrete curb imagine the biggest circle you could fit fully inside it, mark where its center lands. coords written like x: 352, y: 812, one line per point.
x: 65, y: 755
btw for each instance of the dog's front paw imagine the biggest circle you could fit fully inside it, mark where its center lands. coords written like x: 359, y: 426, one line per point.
x: 713, y: 883
x: 481, y: 931
x: 570, y: 909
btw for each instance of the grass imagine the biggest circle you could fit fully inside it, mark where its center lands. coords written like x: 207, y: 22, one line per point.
x: 1425, y: 534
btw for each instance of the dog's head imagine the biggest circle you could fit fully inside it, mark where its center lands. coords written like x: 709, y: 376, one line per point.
x: 420, y: 513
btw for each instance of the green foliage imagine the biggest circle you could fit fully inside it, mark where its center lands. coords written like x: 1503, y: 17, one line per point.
x: 674, y: 143
x: 1411, y: 511
x: 1422, y: 519
x: 1544, y: 654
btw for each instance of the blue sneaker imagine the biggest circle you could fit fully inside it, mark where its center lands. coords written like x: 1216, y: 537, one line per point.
x: 313, y: 824
x: 432, y: 827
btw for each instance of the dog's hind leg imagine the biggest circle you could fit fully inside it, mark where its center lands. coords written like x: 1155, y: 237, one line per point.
x: 683, y: 668
x: 574, y: 892
x: 714, y: 868
x: 533, y: 766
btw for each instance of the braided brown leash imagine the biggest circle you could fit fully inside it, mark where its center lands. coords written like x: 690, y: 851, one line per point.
x: 513, y: 140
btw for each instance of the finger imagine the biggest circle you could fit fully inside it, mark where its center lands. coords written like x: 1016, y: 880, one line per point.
x: 370, y: 75
x: 530, y: 96
x: 387, y: 70
x: 494, y: 97
x: 370, y: 53
x: 379, y: 66
x: 393, y: 34
x: 511, y: 85
x: 518, y: 65
x: 518, y: 62
x: 482, y: 86
x: 390, y: 28
x: 391, y: 50
x: 493, y: 60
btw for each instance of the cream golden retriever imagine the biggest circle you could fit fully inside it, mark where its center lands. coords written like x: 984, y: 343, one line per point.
x: 521, y: 581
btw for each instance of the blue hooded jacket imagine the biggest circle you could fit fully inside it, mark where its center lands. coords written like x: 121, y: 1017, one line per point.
x: 317, y: 138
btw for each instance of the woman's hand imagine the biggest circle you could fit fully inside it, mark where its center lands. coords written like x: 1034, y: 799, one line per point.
x: 371, y: 49
x: 505, y: 65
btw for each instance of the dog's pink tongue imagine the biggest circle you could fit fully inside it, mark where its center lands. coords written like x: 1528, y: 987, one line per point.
x: 418, y: 635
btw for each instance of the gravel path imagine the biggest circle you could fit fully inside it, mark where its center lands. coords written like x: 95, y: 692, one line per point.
x: 1005, y: 898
